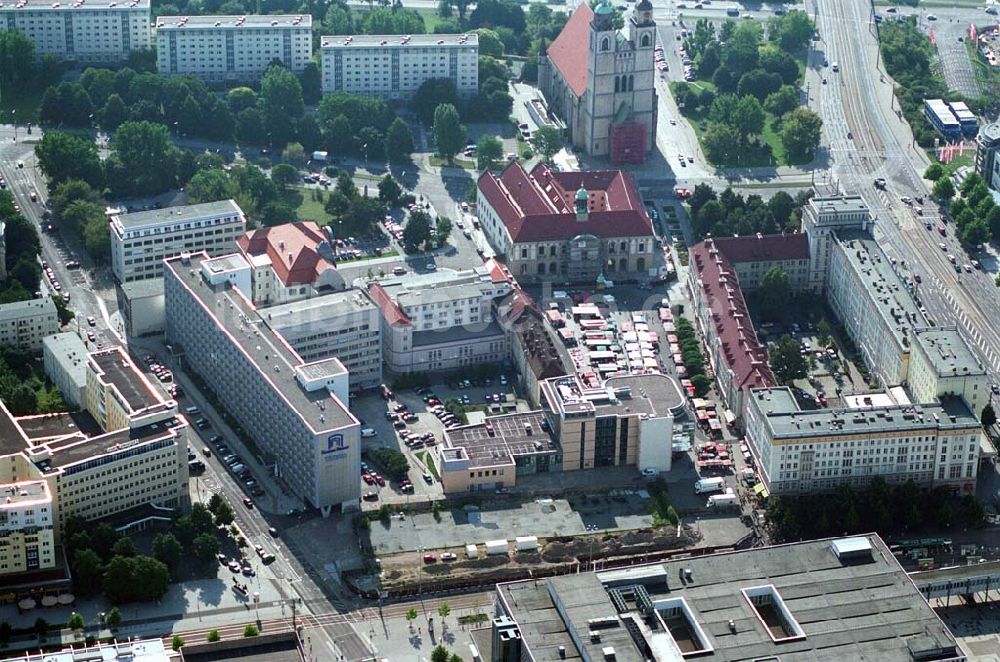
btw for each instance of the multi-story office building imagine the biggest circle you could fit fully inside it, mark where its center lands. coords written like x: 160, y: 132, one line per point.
x: 785, y: 602
x: 118, y: 395
x: 141, y: 240
x: 942, y: 364
x: 27, y: 538
x: 65, y: 360
x: 576, y: 226
x: 296, y: 412
x: 25, y: 323
x: 628, y: 421
x: 394, y: 66
x: 232, y: 48
x: 822, y: 218
x: 873, y: 305
x: 987, y: 164
x: 290, y: 262
x: 80, y: 31
x: 442, y: 320
x: 343, y: 324
x: 801, y: 451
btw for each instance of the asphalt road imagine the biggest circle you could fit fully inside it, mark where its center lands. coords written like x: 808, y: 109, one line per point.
x: 881, y: 145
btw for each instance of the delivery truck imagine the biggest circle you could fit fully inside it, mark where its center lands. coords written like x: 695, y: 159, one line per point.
x: 728, y: 500
x: 496, y: 547
x: 704, y: 485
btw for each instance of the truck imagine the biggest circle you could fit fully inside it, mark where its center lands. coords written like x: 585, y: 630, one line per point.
x: 727, y: 500
x: 496, y: 547
x: 320, y: 156
x: 704, y: 485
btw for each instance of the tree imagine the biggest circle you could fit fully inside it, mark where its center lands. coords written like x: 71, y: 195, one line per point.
x: 177, y: 642
x: 224, y: 514
x: 138, y: 578
x: 66, y: 103
x: 346, y: 186
x: 793, y: 30
x: 284, y: 175
x: 800, y: 133
x: 787, y: 361
x: 443, y: 610
x: 442, y: 230
x: 774, y: 294
x: 971, y: 181
x: 97, y: 239
x: 439, y: 654
x: 17, y: 59
x: 113, y: 618
x: 758, y: 83
x: 75, y: 621
x: 934, y: 172
x: 65, y: 314
x: 167, y: 549
x: 784, y: 100
x: 389, y: 191
x: 398, y: 141
x: 944, y: 190
x: 489, y: 152
x: 205, y: 547
x: 976, y: 232
x: 281, y: 103
x: 721, y: 143
x: 250, y: 630
x: 748, y: 117
x: 548, y: 141
x: 41, y: 626
x: 250, y: 127
x: 702, y: 384
x: 449, y: 134
x: 88, y: 572
x: 294, y: 155
x: 311, y: 84
x: 63, y: 156
x: 213, y: 636
x: 417, y: 231
x: 411, y: 615
x: 489, y: 43
x: 432, y: 93
x: 989, y: 417
x: 123, y: 547
x: 144, y: 151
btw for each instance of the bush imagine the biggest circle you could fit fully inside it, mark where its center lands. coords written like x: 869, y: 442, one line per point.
x: 395, y: 463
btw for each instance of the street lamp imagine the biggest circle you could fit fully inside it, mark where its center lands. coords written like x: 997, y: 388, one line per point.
x: 13, y: 119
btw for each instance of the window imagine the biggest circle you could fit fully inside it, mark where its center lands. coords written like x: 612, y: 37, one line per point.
x: 645, y: 41
x: 605, y: 44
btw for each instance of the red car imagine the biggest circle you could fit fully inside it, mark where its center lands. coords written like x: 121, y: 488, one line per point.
x: 378, y: 479
x: 368, y: 479
x: 430, y: 558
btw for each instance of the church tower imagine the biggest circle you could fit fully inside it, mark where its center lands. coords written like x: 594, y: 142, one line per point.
x: 602, y: 75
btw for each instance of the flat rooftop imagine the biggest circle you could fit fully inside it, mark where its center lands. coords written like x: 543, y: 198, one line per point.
x: 48, y: 427
x: 12, y: 438
x: 898, y: 309
x: 118, y: 370
x: 264, y: 348
x: 465, y: 333
x: 785, y: 420
x: 138, y: 289
x: 67, y: 452
x: 17, y: 494
x: 49, y: 5
x: 248, y: 21
x: 29, y: 308
x: 170, y: 215
x: 132, y: 651
x: 862, y: 608
x: 838, y: 204
x: 513, y: 435
x: 651, y: 394
x: 399, y: 41
x: 317, y: 310
x: 440, y: 286
x: 948, y: 352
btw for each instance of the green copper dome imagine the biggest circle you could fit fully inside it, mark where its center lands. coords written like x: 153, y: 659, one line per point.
x: 581, y: 194
x: 604, y: 8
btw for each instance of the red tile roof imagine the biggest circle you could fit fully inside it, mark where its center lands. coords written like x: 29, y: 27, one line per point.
x: 721, y: 293
x: 391, y: 311
x: 292, y: 250
x: 764, y: 247
x: 539, y: 206
x: 569, y: 52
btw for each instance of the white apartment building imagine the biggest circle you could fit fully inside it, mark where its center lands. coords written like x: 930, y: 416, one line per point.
x: 296, y: 411
x: 119, y: 396
x: 394, y: 66
x: 65, y: 361
x: 82, y: 31
x: 822, y: 218
x: 25, y: 323
x: 441, y: 320
x: 343, y: 324
x: 27, y: 539
x: 942, y: 364
x: 797, y: 452
x: 873, y: 305
x: 231, y: 48
x: 140, y: 241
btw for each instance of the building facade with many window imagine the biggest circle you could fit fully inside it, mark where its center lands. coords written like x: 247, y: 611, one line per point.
x: 442, y: 320
x: 25, y: 324
x: 86, y: 32
x: 296, y: 411
x: 232, y: 48
x: 803, y: 451
x: 27, y: 533
x: 394, y: 66
x: 140, y: 241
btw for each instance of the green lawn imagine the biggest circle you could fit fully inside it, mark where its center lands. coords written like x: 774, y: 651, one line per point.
x: 307, y: 209
x: 967, y: 160
x: 438, y: 161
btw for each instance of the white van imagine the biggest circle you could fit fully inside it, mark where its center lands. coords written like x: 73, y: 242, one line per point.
x: 237, y: 468
x: 368, y: 432
x: 191, y: 410
x: 716, y: 484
